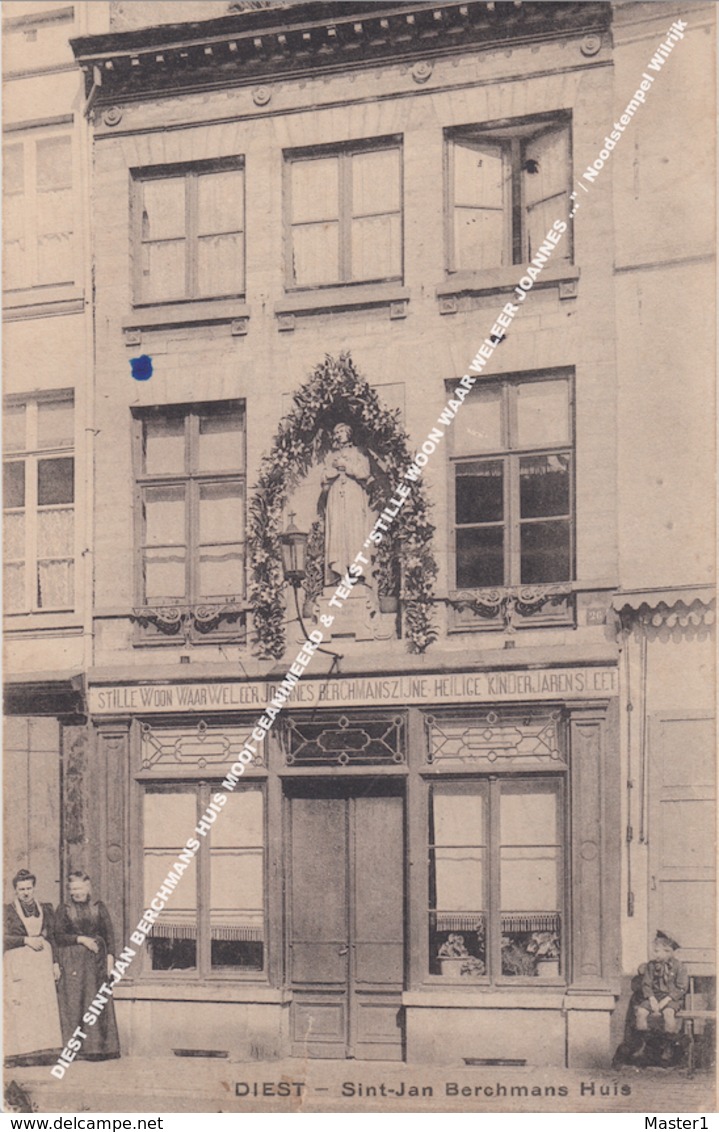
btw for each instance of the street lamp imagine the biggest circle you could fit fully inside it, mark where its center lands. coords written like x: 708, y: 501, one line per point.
x: 293, y: 544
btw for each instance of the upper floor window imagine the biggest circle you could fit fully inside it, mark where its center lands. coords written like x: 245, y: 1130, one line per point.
x: 38, y: 212
x: 513, y: 484
x: 39, y: 504
x: 190, y: 463
x: 189, y: 233
x: 345, y: 215
x: 507, y: 186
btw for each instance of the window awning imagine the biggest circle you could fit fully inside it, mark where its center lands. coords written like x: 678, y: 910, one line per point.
x: 682, y: 605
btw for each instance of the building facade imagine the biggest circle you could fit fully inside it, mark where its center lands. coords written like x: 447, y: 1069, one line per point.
x: 478, y: 803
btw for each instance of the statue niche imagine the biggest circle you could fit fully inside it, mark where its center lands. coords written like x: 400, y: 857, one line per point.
x: 344, y: 499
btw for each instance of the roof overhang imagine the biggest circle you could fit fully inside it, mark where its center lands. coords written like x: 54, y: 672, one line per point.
x: 301, y: 38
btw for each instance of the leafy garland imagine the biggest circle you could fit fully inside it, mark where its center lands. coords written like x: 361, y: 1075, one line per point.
x: 336, y: 392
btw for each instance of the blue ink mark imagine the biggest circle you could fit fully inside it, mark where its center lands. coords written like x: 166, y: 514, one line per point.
x: 141, y: 367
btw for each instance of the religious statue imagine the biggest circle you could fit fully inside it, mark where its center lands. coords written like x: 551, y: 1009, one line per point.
x: 345, y: 481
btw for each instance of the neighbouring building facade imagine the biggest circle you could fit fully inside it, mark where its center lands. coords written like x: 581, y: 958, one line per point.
x: 496, y: 778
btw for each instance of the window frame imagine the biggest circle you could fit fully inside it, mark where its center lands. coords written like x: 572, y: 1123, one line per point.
x: 30, y: 457
x: 203, y: 972
x: 32, y: 286
x: 514, y: 135
x: 510, y: 456
x: 189, y: 172
x: 556, y: 782
x: 343, y: 152
x: 192, y: 478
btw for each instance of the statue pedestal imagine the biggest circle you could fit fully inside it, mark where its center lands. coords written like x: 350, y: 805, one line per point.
x: 359, y: 618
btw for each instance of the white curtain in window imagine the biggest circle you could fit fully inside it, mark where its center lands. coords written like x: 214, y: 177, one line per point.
x: 55, y: 533
x: 14, y: 587
x: 55, y: 584
x: 482, y: 190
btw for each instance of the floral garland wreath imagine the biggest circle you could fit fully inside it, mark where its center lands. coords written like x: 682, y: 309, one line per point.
x: 336, y: 391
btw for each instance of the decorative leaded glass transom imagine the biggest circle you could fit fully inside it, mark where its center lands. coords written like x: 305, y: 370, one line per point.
x: 496, y: 739
x: 202, y: 747
x: 338, y: 740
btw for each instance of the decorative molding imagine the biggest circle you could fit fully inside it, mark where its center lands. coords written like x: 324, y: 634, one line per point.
x: 133, y: 337
x: 261, y: 95
x: 266, y: 44
x: 508, y: 603
x: 422, y: 71
x: 590, y: 45
x: 182, y: 620
x: 112, y: 116
x: 359, y: 741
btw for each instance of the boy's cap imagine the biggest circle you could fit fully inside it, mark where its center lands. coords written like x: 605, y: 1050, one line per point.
x: 667, y: 940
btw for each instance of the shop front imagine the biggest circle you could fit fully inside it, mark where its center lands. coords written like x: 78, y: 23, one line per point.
x: 413, y: 867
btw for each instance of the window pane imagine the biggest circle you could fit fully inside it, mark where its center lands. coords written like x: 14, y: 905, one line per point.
x: 530, y: 879
x: 458, y: 814
x: 315, y: 254
x: 164, y: 442
x: 221, y: 572
x: 479, y: 238
x: 375, y: 182
x: 54, y: 164
x: 528, y: 816
x: 55, y: 424
x: 13, y: 177
x: 376, y: 247
x: 54, y: 258
x: 14, y: 484
x: 478, y: 427
x: 480, y: 174
x: 242, y: 823
x: 54, y: 213
x: 222, y: 516
x: 459, y: 879
x: 315, y: 189
x: 163, y: 208
x: 55, y: 533
x: 546, y: 177
x: 479, y: 492
x: 165, y: 575
x: 220, y: 265
x: 481, y: 205
x: 543, y: 486
x: 222, y: 442
x: 165, y: 516
x: 163, y: 271
x: 545, y: 550
x: 14, y: 535
x: 236, y: 883
x: 55, y: 480
x: 480, y: 557
x: 14, y: 588
x: 55, y: 582
x: 168, y: 820
x: 542, y: 413
x: 220, y: 202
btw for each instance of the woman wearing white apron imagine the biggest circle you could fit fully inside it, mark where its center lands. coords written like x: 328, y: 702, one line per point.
x: 32, y: 1017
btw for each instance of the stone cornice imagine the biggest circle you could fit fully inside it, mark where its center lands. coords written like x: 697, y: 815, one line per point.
x: 273, y: 43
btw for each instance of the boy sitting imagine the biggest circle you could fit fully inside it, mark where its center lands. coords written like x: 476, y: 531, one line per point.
x: 664, y: 984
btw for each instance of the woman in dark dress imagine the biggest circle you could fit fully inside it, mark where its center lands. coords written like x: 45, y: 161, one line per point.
x: 86, y: 943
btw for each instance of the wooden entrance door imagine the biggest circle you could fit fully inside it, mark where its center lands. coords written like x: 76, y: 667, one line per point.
x: 346, y: 919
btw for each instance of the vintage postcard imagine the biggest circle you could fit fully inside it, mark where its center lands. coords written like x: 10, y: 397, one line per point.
x: 359, y: 741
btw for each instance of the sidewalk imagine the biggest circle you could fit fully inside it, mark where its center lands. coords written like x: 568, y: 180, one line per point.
x: 209, y: 1085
